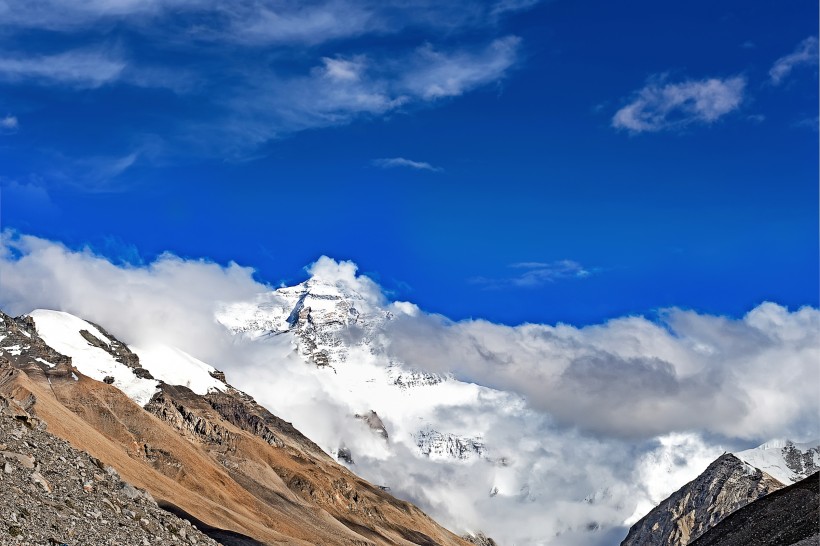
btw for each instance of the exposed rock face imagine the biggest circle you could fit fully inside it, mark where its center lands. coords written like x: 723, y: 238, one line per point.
x: 114, y: 347
x: 726, y: 485
x: 20, y: 344
x: 54, y: 494
x: 374, y: 422
x: 433, y: 443
x: 788, y: 516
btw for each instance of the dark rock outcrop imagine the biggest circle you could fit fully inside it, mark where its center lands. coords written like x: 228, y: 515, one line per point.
x: 726, y: 485
x: 789, y: 516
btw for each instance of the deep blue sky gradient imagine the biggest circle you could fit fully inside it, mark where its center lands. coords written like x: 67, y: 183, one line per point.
x: 712, y: 216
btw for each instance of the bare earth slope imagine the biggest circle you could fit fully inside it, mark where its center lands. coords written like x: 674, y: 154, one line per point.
x: 219, y: 457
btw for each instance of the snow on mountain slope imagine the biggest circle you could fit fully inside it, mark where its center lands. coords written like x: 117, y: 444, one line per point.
x: 63, y: 332
x: 176, y: 367
x: 784, y: 460
x: 98, y: 355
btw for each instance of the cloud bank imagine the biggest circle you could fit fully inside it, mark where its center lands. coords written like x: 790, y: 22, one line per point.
x: 586, y: 427
x: 662, y: 106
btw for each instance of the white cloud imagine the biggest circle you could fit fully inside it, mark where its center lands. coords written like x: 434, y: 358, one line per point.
x: 534, y: 274
x: 342, y: 89
x: 79, y: 68
x: 9, y: 123
x: 263, y: 22
x: 251, y: 59
x: 804, y: 55
x: 391, y: 162
x: 439, y: 74
x: 661, y: 106
x: 597, y: 423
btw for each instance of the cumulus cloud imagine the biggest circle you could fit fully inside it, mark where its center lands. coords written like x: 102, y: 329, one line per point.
x: 804, y: 55
x: 391, y: 162
x: 586, y: 428
x: 534, y: 274
x: 662, y: 106
x: 636, y: 378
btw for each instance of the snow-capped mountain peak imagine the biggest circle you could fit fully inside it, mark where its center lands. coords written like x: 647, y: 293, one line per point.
x: 784, y: 460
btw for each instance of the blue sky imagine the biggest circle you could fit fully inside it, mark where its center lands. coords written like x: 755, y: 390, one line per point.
x: 516, y: 161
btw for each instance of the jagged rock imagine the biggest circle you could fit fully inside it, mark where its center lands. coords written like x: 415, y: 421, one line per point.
x: 726, y: 485
x: 343, y: 454
x: 433, y: 443
x: 479, y: 539
x: 374, y: 422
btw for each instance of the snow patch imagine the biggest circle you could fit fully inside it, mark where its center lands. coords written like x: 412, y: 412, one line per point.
x: 61, y: 331
x: 176, y: 367
x: 44, y: 361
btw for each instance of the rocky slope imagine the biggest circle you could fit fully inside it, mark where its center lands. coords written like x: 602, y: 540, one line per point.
x: 786, y: 517
x: 55, y: 494
x: 199, y: 446
x: 726, y: 485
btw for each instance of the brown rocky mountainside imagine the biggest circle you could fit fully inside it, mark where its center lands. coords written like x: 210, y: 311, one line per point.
x: 790, y: 516
x: 54, y: 494
x: 246, y: 476
x: 726, y: 485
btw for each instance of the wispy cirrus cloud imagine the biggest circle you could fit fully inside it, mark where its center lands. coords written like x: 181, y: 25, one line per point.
x: 262, y: 22
x: 340, y: 89
x: 804, y: 55
x: 257, y: 70
x: 662, y: 106
x: 392, y: 162
x: 535, y: 274
x: 83, y: 68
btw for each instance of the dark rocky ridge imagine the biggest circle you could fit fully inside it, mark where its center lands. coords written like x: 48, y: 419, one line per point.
x: 726, y: 485
x: 786, y: 517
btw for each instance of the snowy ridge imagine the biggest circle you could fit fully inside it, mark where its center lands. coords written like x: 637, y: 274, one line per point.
x: 62, y: 330
x: 784, y: 460
x: 64, y: 333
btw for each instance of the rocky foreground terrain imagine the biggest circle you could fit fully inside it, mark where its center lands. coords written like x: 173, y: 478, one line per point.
x: 790, y: 516
x: 53, y: 494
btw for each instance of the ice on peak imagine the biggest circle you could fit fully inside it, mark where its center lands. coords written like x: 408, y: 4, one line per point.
x: 783, y: 459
